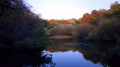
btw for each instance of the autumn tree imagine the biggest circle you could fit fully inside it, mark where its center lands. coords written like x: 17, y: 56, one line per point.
x: 71, y: 21
x: 88, y: 18
x: 98, y: 14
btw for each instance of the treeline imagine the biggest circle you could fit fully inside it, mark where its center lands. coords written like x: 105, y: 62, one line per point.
x: 19, y: 26
x: 98, y: 25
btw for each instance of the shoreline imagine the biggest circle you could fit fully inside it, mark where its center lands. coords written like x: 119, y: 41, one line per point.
x: 60, y: 37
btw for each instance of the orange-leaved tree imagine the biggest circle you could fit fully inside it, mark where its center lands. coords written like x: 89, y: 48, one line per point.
x: 88, y: 18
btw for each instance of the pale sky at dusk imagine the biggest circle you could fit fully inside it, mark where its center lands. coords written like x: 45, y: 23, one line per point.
x: 67, y: 9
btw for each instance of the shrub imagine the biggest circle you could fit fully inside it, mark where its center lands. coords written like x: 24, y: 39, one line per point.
x: 82, y: 30
x: 61, y: 29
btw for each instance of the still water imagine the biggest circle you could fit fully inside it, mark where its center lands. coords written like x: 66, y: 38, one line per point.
x: 64, y: 53
x: 71, y: 59
x: 78, y: 53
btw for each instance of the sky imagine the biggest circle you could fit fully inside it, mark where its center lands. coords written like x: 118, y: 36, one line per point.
x: 67, y: 9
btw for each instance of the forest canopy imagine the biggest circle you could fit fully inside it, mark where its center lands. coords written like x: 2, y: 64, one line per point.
x: 100, y: 24
x: 19, y: 26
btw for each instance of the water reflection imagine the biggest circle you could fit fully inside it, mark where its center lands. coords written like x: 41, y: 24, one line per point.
x: 103, y: 54
x: 63, y: 53
x: 10, y: 57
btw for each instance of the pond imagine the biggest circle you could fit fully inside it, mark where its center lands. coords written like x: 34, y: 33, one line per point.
x: 64, y: 53
x: 78, y: 53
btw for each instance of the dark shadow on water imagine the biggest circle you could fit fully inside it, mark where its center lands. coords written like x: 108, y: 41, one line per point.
x: 10, y: 57
x: 103, y: 53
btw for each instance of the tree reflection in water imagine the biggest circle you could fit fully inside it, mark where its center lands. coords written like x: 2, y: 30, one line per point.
x: 105, y: 53
x: 10, y: 57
